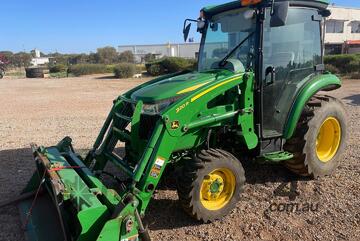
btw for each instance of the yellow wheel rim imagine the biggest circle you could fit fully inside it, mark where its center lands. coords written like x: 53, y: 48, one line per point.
x: 328, y: 139
x: 217, y: 189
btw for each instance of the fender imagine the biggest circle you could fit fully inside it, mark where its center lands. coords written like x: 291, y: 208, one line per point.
x: 323, y: 82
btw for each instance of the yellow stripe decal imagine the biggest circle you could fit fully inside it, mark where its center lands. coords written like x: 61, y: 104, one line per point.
x: 212, y: 88
x: 191, y: 88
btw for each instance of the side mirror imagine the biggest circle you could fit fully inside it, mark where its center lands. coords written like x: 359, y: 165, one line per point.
x: 201, y: 25
x: 279, y: 14
x: 186, y: 32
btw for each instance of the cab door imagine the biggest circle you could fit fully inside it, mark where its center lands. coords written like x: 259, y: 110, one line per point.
x: 290, y: 54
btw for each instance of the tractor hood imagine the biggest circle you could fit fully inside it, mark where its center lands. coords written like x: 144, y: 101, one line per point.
x: 173, y: 86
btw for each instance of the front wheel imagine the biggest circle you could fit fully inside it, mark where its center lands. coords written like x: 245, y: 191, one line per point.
x: 320, y: 138
x: 2, y: 73
x: 210, y: 184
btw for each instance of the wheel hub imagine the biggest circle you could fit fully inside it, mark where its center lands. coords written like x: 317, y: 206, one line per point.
x: 216, y: 186
x: 328, y: 139
x: 217, y: 189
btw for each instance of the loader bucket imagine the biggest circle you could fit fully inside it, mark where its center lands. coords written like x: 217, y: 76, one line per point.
x: 70, y: 203
x: 43, y: 223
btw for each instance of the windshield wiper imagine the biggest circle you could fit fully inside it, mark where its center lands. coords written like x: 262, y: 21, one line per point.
x: 222, y: 63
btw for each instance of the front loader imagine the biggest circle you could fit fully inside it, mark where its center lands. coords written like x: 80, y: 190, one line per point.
x: 254, y: 96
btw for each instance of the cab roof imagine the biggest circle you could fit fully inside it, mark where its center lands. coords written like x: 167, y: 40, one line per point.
x: 215, y: 9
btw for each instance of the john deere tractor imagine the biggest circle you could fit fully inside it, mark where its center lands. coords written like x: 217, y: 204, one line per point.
x: 254, y: 96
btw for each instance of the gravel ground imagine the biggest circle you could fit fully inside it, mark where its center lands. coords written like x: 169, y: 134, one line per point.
x: 46, y: 110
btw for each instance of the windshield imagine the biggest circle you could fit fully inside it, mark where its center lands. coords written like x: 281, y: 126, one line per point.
x: 224, y: 33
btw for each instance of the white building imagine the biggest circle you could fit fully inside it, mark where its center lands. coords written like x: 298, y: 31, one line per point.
x: 342, y: 34
x: 184, y: 50
x: 38, y: 60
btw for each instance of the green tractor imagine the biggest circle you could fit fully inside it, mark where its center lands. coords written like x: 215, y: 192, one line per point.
x: 254, y: 96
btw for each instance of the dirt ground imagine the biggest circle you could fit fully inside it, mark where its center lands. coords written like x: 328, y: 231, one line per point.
x: 46, y: 110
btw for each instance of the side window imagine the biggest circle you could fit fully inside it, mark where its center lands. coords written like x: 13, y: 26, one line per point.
x: 334, y: 26
x: 355, y: 27
x: 292, y: 51
x: 294, y: 46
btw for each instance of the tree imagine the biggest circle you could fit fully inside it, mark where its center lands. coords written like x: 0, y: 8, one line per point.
x: 59, y: 58
x: 126, y: 57
x: 106, y: 55
x: 149, y: 57
x: 6, y: 57
x: 79, y: 59
x: 93, y: 58
x: 21, y: 59
x: 32, y: 52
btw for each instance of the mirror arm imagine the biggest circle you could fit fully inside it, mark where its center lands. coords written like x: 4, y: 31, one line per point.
x: 186, y: 29
x: 189, y: 20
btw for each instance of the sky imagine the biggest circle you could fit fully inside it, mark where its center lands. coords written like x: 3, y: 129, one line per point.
x: 81, y: 26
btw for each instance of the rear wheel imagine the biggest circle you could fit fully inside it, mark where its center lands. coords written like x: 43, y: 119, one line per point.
x: 209, y: 186
x: 320, y: 138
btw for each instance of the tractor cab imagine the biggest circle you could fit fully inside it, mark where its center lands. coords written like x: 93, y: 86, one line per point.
x: 279, y: 41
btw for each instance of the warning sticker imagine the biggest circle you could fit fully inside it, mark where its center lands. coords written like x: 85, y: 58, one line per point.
x: 156, y: 169
x: 160, y: 161
x: 154, y: 173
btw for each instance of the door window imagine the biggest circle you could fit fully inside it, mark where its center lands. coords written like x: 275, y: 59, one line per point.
x: 292, y: 51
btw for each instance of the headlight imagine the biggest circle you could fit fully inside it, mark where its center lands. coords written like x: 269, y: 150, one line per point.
x: 158, y: 107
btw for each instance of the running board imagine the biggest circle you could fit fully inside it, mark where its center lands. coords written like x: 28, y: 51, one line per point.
x: 278, y: 156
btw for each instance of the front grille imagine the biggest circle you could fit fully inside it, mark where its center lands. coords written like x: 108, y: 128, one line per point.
x: 147, y: 125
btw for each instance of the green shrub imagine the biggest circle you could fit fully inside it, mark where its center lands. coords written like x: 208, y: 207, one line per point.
x: 175, y: 64
x: 87, y: 69
x: 140, y: 68
x: 149, y: 57
x: 354, y: 66
x: 344, y: 62
x: 110, y: 68
x: 58, y: 75
x: 170, y: 65
x: 156, y: 70
x: 124, y: 70
x: 148, y: 65
x: 58, y: 68
x: 332, y: 69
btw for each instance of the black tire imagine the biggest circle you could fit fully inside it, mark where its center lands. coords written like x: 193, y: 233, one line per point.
x: 34, y: 73
x: 193, y: 174
x: 303, y: 144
